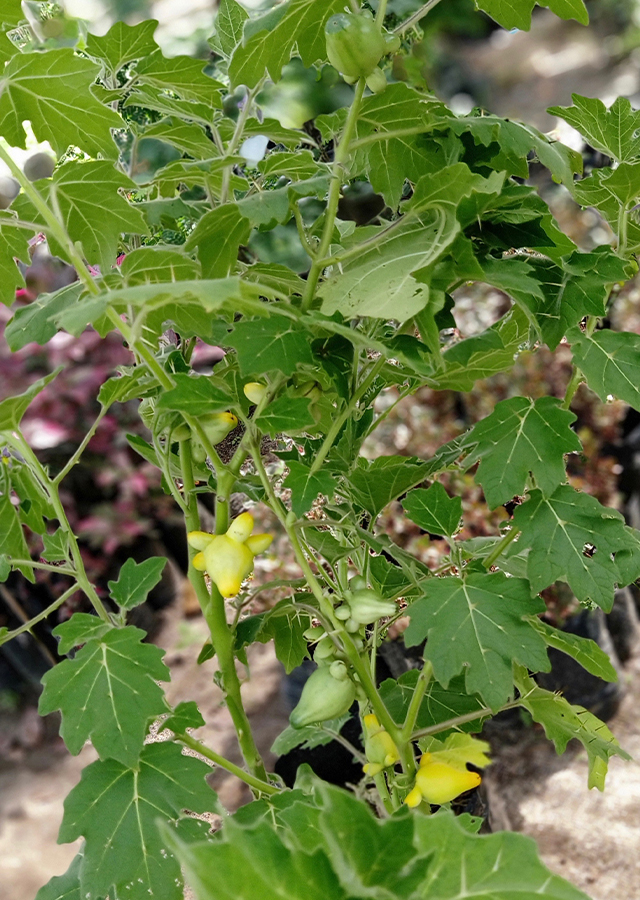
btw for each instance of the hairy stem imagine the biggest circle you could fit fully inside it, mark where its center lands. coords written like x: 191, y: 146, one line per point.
x: 258, y: 784
x: 337, y: 173
x: 222, y: 636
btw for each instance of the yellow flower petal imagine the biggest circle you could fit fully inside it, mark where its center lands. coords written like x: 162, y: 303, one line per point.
x: 258, y: 543
x: 199, y: 539
x: 241, y: 527
x: 198, y: 562
x: 438, y: 783
x: 413, y: 798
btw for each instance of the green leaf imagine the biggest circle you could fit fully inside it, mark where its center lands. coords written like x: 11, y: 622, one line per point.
x: 438, y: 706
x: 14, y: 246
x: 11, y: 13
x: 228, y: 27
x: 116, y: 810
x: 614, y: 131
x: 585, y: 651
x: 521, y: 436
x: 56, y: 546
x: 485, y: 354
x: 514, y: 141
x: 64, y: 887
x: 298, y: 166
x: 562, y: 722
x: 517, y: 13
x: 269, y: 39
x: 286, y: 625
x: 286, y: 414
x: 136, y: 580
x: 375, y: 484
x: 380, y: 282
x: 610, y: 360
x: 12, y: 539
x: 572, y: 538
x: 195, y: 395
x: 218, y: 235
x: 52, y: 90
x: 108, y: 692
x: 308, y: 737
x: 434, y: 510
x: 478, y: 623
x: 305, y: 487
x: 270, y: 345
x: 5, y: 571
x: 608, y: 190
x: 152, y: 265
x: 188, y: 137
x: 185, y: 715
x: 181, y: 74
x: 127, y: 386
x: 13, y: 408
x: 93, y: 210
x: 36, y: 322
x: 256, y: 863
x: 79, y: 629
x: 122, y: 44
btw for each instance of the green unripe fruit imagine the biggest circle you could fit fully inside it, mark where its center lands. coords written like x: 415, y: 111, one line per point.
x: 343, y: 613
x: 367, y: 607
x: 324, y: 650
x: 323, y: 697
x: 313, y: 633
x: 355, y: 44
x: 9, y: 190
x: 377, y: 81
x: 40, y: 165
x: 352, y: 626
x: 339, y: 670
x: 358, y: 583
x: 181, y: 433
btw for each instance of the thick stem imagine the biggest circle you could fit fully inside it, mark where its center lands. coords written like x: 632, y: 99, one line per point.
x: 222, y: 637
x: 263, y: 787
x: 419, y: 691
x: 501, y: 546
x: 337, y: 172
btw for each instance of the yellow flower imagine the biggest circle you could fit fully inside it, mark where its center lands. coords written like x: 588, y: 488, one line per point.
x: 438, y: 782
x: 228, y: 558
x: 379, y: 747
x: 254, y: 391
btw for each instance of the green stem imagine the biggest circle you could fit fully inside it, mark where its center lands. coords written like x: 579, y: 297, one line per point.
x: 337, y: 172
x: 326, y: 609
x: 339, y: 421
x: 576, y: 375
x: 462, y: 720
x: 501, y: 546
x: 52, y: 492
x: 222, y: 637
x: 415, y: 18
x: 382, y: 11
x: 419, y: 691
x: 45, y: 567
x: 304, y: 240
x: 83, y: 445
x: 257, y: 784
x: 41, y: 615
